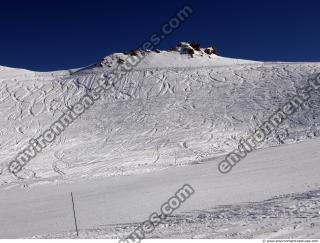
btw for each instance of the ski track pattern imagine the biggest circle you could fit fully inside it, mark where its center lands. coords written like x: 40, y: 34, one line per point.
x: 151, y: 119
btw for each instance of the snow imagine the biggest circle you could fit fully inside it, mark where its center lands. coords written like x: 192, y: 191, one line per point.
x: 112, y: 206
x: 166, y: 123
x: 176, y: 60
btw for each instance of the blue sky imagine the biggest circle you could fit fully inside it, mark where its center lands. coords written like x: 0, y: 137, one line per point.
x: 52, y: 35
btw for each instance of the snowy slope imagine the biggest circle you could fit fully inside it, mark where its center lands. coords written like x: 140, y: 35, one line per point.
x: 221, y: 204
x: 172, y: 110
x: 153, y: 118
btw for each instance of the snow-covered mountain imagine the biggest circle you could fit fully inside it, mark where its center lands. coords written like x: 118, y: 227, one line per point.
x: 184, y: 107
x: 173, y: 109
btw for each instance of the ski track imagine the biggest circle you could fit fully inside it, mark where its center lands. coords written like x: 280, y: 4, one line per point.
x: 153, y: 104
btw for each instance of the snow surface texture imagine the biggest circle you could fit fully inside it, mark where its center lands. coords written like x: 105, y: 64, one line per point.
x: 172, y: 110
x: 286, y: 216
x: 113, y: 206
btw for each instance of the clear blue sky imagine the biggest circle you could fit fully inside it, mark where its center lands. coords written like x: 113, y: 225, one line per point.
x: 51, y: 35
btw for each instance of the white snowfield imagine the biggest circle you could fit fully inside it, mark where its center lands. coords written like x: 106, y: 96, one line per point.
x: 166, y: 123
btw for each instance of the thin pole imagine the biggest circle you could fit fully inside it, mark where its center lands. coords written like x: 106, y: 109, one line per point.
x: 74, y: 215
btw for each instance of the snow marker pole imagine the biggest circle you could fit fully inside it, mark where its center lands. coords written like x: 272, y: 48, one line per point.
x: 74, y: 215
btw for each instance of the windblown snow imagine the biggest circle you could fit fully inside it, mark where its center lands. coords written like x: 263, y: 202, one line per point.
x: 173, y: 111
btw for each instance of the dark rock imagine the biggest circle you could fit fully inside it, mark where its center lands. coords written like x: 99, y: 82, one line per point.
x: 190, y: 52
x: 211, y: 50
x: 195, y: 46
x: 120, y: 61
x: 134, y: 52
